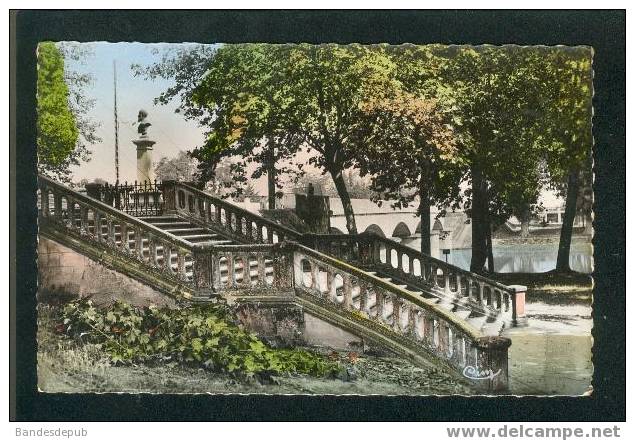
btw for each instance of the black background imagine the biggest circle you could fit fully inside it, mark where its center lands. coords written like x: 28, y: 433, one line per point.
x: 604, y: 30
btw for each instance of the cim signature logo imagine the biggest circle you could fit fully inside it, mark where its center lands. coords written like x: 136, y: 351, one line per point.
x: 475, y: 374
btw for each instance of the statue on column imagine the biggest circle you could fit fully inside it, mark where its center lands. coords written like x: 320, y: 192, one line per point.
x: 145, y: 168
x: 143, y: 124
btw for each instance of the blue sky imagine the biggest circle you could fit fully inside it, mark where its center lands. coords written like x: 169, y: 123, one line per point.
x: 170, y: 130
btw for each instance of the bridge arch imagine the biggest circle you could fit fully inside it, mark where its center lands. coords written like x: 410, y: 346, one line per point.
x: 401, y: 230
x: 374, y: 228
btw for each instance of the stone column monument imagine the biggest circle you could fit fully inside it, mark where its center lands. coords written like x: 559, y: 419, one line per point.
x: 145, y: 171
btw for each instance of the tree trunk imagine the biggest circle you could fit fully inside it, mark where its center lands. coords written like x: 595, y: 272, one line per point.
x: 424, y: 212
x: 564, y: 247
x: 342, y: 191
x: 490, y: 248
x: 271, y: 184
x: 525, y: 218
x: 480, y: 220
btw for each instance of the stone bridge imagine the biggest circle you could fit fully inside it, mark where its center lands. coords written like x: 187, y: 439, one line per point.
x: 193, y: 247
x: 381, y: 220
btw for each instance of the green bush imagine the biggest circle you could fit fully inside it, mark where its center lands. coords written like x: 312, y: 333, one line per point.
x: 197, y: 335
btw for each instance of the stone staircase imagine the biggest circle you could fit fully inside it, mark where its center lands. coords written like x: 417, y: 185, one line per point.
x: 195, y: 247
x: 198, y: 235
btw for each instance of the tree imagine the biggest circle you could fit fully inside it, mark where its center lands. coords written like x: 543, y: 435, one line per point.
x: 498, y: 106
x: 64, y: 128
x: 57, y: 133
x: 245, y: 92
x: 328, y: 85
x: 569, y: 153
x: 235, y: 93
x: 406, y: 148
x: 180, y: 168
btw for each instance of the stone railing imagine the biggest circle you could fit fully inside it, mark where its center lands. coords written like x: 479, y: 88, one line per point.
x: 107, y: 227
x: 221, y: 216
x: 410, y: 322
x: 204, y: 269
x: 243, y: 270
x: 449, y: 282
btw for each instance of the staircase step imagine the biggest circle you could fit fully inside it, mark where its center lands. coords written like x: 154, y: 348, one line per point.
x: 175, y: 224
x: 153, y: 219
x: 493, y: 328
x: 446, y: 305
x: 478, y: 322
x: 215, y: 242
x: 184, y: 231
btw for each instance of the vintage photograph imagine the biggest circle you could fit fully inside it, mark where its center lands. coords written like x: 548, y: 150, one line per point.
x: 314, y: 219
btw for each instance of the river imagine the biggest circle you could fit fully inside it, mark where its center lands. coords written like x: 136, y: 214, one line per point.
x: 523, y: 258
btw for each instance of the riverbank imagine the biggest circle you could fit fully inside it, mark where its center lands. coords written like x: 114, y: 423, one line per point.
x: 552, y: 287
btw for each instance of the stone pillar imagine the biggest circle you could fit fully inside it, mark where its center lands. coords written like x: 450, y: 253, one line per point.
x: 94, y: 191
x: 518, y: 305
x: 491, y: 372
x: 314, y: 210
x: 203, y: 271
x: 169, y: 197
x: 145, y: 171
x: 436, y: 231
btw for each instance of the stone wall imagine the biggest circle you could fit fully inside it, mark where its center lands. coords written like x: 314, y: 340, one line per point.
x: 64, y: 273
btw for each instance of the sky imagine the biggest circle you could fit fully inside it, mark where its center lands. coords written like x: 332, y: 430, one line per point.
x: 170, y: 130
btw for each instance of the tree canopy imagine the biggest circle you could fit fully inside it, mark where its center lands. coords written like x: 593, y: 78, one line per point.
x: 64, y: 127
x: 463, y: 127
x: 57, y: 132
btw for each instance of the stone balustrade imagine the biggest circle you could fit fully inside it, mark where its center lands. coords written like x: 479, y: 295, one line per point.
x: 413, y: 322
x: 437, y: 277
x: 107, y: 227
x: 243, y: 270
x: 221, y: 216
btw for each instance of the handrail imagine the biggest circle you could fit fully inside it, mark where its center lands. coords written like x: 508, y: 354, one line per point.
x: 114, y: 212
x: 402, y: 293
x: 246, y: 213
x: 407, y: 250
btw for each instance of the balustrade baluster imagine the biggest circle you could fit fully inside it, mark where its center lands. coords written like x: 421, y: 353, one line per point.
x: 331, y: 289
x: 348, y: 292
x: 363, y: 298
x: 261, y: 270
x: 152, y: 245
x: 315, y: 274
x: 111, y: 231
x: 379, y: 304
x: 167, y: 258
x: 396, y: 313
x: 181, y: 264
x: 124, y: 237
x: 58, y: 206
x: 44, y: 195
x: 229, y: 256
x: 138, y: 243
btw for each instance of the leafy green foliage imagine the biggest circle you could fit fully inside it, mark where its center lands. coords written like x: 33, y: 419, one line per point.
x: 200, y: 335
x: 57, y: 132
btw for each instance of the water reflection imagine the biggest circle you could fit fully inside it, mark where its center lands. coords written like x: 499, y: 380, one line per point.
x: 524, y: 258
